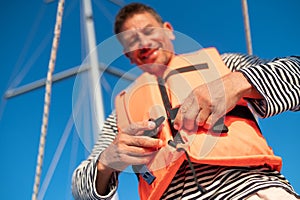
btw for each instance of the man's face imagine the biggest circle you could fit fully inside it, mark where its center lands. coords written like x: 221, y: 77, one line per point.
x: 147, y: 43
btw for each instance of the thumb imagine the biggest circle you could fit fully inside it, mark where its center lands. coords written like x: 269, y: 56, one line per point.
x: 138, y: 128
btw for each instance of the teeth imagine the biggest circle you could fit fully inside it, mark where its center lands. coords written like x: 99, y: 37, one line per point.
x: 147, y: 53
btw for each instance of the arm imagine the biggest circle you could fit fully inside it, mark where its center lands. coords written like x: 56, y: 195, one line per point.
x: 278, y: 82
x: 96, y: 178
x: 271, y: 87
x: 84, y: 177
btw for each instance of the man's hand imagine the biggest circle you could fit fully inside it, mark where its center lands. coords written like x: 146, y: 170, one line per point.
x: 131, y: 147
x: 209, y: 102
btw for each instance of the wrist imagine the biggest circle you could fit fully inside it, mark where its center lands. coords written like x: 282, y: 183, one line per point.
x: 102, y: 167
x: 103, y: 177
x: 244, y: 87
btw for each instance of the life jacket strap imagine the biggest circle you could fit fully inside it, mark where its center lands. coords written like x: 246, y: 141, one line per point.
x: 218, y: 127
x: 200, y: 187
x: 171, y: 113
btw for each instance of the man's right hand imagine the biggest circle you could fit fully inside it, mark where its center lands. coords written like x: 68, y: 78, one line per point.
x: 130, y: 147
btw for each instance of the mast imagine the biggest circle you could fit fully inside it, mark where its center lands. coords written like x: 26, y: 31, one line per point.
x: 94, y: 72
x: 93, y: 67
x: 73, y: 71
x: 247, y: 27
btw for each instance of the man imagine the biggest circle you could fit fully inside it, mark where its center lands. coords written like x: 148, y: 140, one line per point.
x: 147, y: 42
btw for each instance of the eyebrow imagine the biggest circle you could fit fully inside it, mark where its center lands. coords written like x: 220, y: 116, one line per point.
x: 147, y: 26
x: 133, y: 31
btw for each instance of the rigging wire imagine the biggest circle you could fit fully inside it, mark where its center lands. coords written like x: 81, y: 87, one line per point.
x: 62, y: 142
x: 44, y: 126
x: 119, y: 3
x: 32, y: 34
x: 61, y: 145
x: 72, y: 164
x: 20, y: 60
x: 109, y: 16
x: 36, y: 54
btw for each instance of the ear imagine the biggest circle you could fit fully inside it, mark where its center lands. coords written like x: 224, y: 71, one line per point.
x: 170, y: 32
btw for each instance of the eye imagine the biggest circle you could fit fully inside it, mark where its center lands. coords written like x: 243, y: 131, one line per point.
x: 132, y: 41
x: 148, y: 30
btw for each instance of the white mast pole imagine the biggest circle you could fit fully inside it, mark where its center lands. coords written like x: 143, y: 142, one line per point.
x: 94, y: 71
x: 247, y: 26
x: 93, y: 61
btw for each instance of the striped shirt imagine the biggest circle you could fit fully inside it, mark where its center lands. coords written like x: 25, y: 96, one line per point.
x: 277, y: 80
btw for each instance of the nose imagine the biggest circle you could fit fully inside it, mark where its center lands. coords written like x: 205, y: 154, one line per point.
x: 144, y: 41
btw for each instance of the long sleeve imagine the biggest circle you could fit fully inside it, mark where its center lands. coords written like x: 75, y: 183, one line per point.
x: 278, y: 81
x: 84, y: 177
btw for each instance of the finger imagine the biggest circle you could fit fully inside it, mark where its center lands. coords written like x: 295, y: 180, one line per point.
x: 145, y: 142
x: 139, y: 127
x: 211, y: 120
x: 121, y: 151
x: 202, y: 116
x: 140, y: 151
x: 136, y: 160
x: 189, y: 122
x: 122, y: 160
x: 179, y: 119
x: 190, y: 116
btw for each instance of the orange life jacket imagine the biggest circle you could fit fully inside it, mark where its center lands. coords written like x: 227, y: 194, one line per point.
x: 242, y: 145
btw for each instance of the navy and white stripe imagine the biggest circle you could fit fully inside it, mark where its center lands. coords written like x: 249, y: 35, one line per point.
x: 277, y: 80
x: 84, y: 177
x: 223, y: 182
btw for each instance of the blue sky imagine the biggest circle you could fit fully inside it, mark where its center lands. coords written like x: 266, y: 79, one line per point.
x: 26, y: 38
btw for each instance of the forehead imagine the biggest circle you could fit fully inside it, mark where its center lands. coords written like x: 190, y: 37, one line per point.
x: 140, y: 20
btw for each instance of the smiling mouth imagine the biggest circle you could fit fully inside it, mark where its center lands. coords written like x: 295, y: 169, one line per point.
x: 146, y: 53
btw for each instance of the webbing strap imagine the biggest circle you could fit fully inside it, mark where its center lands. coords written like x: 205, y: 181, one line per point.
x: 187, y: 69
x: 164, y: 96
x: 218, y: 127
x: 171, y: 113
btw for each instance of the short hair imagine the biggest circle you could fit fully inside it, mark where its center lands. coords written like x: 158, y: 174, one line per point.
x: 131, y: 9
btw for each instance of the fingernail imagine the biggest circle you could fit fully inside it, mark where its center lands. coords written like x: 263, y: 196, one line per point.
x: 160, y: 143
x: 151, y: 125
x: 207, y: 126
x: 176, y: 126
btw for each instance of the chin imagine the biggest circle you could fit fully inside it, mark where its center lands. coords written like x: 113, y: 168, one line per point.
x: 158, y: 73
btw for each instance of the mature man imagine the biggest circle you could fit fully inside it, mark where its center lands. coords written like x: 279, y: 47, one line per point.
x: 270, y: 87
